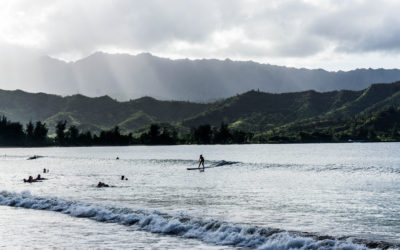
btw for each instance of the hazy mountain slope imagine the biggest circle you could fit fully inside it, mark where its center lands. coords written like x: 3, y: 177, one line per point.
x: 22, y: 106
x: 127, y: 77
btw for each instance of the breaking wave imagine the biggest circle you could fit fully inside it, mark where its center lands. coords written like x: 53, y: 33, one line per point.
x: 224, y: 163
x: 209, y: 231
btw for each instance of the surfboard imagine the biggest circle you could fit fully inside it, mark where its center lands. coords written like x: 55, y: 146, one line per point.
x: 199, y: 168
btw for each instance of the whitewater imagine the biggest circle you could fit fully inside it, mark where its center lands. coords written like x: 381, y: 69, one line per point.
x: 293, y: 196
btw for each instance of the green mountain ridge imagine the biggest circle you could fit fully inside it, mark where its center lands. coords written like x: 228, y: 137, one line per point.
x: 253, y: 111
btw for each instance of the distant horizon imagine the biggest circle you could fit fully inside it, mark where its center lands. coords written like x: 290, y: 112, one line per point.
x: 213, y: 58
x: 125, y: 76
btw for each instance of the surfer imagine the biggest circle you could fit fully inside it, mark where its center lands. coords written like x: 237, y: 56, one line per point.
x: 30, y: 179
x: 39, y: 178
x: 201, y: 161
x: 102, y: 184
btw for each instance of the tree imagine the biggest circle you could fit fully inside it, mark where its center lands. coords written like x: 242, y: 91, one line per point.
x: 11, y: 133
x: 29, y: 133
x: 60, y: 132
x: 203, y: 134
x: 73, y: 134
x: 154, y: 133
x: 223, y: 135
x: 167, y: 138
x: 86, y: 138
x: 239, y: 136
x: 40, y: 133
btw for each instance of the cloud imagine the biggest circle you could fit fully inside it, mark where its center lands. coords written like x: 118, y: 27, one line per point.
x: 363, y: 26
x: 252, y: 29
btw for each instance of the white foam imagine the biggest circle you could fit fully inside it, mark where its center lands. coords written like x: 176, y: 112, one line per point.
x: 210, y: 231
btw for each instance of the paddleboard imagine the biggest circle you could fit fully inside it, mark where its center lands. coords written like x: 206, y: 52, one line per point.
x: 199, y: 168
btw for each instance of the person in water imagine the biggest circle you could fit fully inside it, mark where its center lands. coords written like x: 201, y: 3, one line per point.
x: 102, y: 184
x: 30, y: 179
x: 44, y: 170
x: 39, y: 178
x: 201, y: 161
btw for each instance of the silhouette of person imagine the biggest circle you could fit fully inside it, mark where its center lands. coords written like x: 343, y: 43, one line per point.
x: 201, y: 161
x: 102, y: 184
x: 30, y: 179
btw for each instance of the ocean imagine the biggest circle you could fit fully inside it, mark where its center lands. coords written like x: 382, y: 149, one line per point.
x: 282, y: 196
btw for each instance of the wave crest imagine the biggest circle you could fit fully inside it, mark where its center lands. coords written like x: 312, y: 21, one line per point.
x: 209, y: 231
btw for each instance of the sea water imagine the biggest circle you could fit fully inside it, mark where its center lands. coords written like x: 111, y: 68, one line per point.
x: 287, y: 196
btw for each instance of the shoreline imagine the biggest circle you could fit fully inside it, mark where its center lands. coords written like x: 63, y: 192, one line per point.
x: 268, y: 143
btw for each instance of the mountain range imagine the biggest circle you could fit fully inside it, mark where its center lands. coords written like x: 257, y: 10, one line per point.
x: 253, y: 111
x: 126, y: 77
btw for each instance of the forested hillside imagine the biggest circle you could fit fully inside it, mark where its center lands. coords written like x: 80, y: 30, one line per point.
x: 340, y: 115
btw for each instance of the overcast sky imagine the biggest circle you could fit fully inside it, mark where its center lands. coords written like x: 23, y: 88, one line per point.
x: 334, y: 35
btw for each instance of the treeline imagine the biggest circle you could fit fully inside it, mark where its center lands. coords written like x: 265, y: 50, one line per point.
x: 36, y: 134
x: 381, y: 125
x: 203, y: 134
x: 13, y: 133
x: 73, y: 137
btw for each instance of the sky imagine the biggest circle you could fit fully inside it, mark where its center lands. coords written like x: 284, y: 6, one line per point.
x: 329, y: 34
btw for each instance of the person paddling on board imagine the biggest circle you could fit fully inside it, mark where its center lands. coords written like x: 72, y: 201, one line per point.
x: 201, y: 161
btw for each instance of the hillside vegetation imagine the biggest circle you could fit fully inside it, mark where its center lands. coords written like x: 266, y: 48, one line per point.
x: 289, y: 117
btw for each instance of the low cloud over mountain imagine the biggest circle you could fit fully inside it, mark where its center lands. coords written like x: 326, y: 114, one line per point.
x: 125, y: 77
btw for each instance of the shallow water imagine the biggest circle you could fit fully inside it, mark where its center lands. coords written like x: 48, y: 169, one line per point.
x: 258, y: 196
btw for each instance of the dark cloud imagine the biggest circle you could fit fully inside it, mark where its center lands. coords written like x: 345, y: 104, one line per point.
x: 221, y: 28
